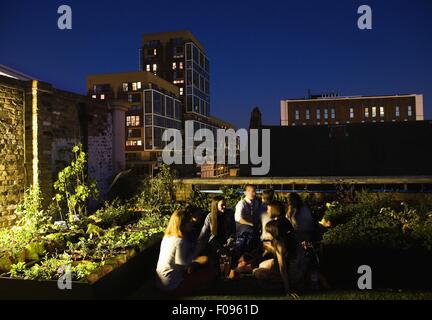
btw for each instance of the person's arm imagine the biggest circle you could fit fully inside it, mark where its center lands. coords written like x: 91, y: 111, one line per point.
x: 239, y: 214
x: 203, y: 237
x: 205, y: 232
x: 283, y: 269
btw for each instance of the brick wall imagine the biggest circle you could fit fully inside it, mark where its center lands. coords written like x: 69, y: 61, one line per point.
x: 11, y: 150
x: 39, y: 125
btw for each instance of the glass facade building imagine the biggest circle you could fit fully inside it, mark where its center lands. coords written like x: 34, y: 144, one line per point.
x: 161, y: 112
x: 197, y: 98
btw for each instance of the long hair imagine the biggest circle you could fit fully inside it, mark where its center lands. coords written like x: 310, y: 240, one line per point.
x: 214, y: 214
x: 176, y: 223
x: 295, y: 203
x: 280, y: 238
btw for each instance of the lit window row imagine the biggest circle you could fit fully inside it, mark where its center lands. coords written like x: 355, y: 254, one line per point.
x: 318, y: 114
x: 178, y: 81
x: 149, y: 67
x: 351, y: 113
x: 133, y: 143
x: 132, y: 121
x: 180, y: 65
x: 134, y: 86
x: 102, y: 96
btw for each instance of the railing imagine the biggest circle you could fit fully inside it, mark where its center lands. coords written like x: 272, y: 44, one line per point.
x: 413, y: 184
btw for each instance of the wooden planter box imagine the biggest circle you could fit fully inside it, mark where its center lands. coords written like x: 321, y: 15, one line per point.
x: 115, y: 285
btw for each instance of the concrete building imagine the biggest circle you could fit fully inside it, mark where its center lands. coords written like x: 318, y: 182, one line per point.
x: 332, y: 109
x: 153, y: 105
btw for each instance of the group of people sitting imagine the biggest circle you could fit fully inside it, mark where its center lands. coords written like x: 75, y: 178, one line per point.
x: 259, y: 237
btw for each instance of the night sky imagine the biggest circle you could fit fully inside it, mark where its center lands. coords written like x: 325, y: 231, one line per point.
x: 260, y: 51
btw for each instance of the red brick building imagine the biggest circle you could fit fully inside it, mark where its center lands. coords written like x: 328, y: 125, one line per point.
x: 334, y: 110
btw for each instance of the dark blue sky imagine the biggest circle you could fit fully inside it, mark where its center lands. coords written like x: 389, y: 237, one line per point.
x: 260, y: 51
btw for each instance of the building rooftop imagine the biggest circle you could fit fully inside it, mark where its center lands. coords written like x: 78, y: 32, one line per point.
x: 337, y: 97
x: 11, y: 73
x: 119, y: 77
x: 167, y: 36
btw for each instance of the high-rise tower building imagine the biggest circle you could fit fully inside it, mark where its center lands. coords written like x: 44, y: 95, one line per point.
x: 180, y: 58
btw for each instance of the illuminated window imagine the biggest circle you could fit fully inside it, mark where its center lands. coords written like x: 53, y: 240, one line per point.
x: 133, y: 143
x: 181, y: 91
x: 174, y: 65
x: 178, y: 81
x: 102, y: 97
x: 154, y: 52
x: 132, y: 121
x: 307, y: 114
x: 134, y: 86
x: 325, y: 113
x: 148, y: 67
x: 125, y: 86
x: 181, y: 65
x: 297, y: 114
x: 410, y: 111
x: 154, y: 67
x: 374, y: 112
x: 351, y: 113
x: 318, y: 114
x: 94, y: 96
x: 138, y: 85
x: 397, y: 111
x: 381, y: 112
x: 333, y: 113
x: 366, y: 112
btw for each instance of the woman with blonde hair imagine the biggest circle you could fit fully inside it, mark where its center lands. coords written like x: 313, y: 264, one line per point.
x: 176, y: 269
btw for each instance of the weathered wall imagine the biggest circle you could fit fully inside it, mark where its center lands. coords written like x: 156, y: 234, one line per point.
x: 64, y: 120
x: 11, y: 150
x: 39, y: 125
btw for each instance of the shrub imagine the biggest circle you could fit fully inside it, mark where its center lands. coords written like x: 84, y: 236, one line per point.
x: 114, y: 214
x: 378, y: 221
x: 157, y: 194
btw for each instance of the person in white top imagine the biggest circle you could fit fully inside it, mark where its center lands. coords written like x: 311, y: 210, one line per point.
x: 247, y: 212
x: 175, y: 270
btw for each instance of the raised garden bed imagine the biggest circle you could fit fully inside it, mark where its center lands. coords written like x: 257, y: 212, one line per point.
x: 114, y: 285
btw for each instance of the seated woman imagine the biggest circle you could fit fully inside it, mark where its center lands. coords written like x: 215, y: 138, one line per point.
x: 282, y: 269
x: 218, y: 231
x: 301, y: 218
x: 177, y: 272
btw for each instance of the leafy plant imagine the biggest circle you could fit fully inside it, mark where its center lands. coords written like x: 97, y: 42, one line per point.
x: 114, y: 214
x: 231, y: 195
x: 158, y: 194
x: 74, y: 187
x: 198, y: 199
